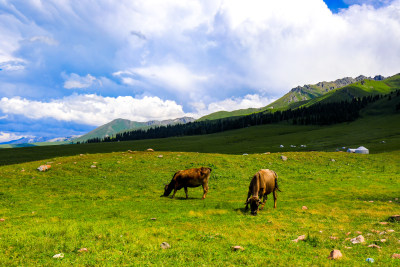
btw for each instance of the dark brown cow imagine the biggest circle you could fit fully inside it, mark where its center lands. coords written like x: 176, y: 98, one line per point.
x: 263, y: 183
x: 188, y: 178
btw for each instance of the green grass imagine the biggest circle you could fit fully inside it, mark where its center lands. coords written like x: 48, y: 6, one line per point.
x: 108, y: 209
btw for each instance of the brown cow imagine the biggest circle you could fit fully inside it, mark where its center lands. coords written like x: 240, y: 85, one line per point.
x: 263, y: 183
x: 188, y: 178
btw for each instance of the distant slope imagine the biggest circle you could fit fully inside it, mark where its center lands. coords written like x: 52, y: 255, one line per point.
x: 360, y: 89
x: 295, y: 97
x: 121, y: 125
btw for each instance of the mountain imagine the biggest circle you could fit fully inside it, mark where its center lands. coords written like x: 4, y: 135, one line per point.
x: 295, y: 97
x: 121, y: 125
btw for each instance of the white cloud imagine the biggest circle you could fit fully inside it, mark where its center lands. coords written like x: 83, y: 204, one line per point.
x: 6, y: 137
x: 230, y: 104
x: 93, y: 109
x: 44, y: 39
x: 74, y: 81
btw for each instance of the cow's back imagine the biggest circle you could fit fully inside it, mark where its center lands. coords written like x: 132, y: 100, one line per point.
x: 267, y: 180
x: 190, y: 177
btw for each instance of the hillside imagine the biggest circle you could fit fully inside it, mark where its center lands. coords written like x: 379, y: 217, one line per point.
x: 295, y: 97
x: 121, y: 125
x: 112, y: 215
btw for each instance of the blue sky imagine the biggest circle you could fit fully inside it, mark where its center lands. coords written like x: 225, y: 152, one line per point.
x: 70, y: 66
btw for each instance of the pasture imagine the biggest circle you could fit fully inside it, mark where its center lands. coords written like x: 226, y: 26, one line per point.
x: 115, y: 210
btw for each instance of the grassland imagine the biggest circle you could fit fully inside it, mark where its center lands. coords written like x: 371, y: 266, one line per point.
x: 109, y: 210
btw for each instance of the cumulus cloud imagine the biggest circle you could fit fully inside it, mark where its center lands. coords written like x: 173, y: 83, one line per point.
x: 74, y: 81
x: 92, y: 109
x: 6, y: 137
x: 230, y: 104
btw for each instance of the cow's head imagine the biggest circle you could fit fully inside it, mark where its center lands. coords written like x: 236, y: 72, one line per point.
x: 167, y: 191
x: 254, y: 204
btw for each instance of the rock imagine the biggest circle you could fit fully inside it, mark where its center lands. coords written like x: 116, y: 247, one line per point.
x: 390, y: 231
x: 160, y: 156
x: 348, y: 233
x: 304, y: 208
x: 153, y: 219
x: 165, y: 245
x: 333, y: 160
x: 284, y: 158
x: 93, y: 166
x: 335, y: 254
x: 300, y: 238
x: 2, y: 219
x: 59, y: 256
x: 383, y: 223
x: 83, y: 250
x: 333, y: 237
x: 358, y: 239
x: 396, y: 256
x: 347, y: 247
x: 43, y: 168
x: 150, y: 150
x: 374, y: 246
x: 358, y: 232
x: 396, y: 199
x: 267, y: 153
x: 245, y: 154
x: 236, y: 248
x: 371, y: 201
x: 383, y: 240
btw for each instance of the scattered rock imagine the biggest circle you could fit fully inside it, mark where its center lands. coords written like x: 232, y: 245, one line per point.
x: 165, y: 245
x: 390, y: 231
x: 83, y: 250
x: 371, y: 201
x: 304, y: 208
x: 382, y: 233
x: 160, y: 156
x: 153, y: 219
x: 300, y: 238
x: 81, y: 155
x: 347, y: 247
x: 59, y: 256
x: 348, y: 233
x: 383, y: 223
x: 383, y: 240
x: 150, y: 150
x: 358, y: 239
x: 267, y: 153
x: 245, y: 154
x: 284, y: 158
x: 236, y: 248
x: 335, y: 254
x: 43, y: 168
x: 396, y: 256
x: 2, y: 219
x: 358, y: 232
x: 333, y: 160
x: 333, y: 237
x: 390, y: 201
x: 374, y: 246
x: 93, y: 166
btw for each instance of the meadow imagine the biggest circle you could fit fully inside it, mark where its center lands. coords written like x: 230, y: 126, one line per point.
x: 115, y: 210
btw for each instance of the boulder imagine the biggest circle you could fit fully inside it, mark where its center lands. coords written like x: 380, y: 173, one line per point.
x: 236, y: 248
x: 396, y: 256
x: 358, y: 239
x: 284, y: 158
x: 165, y: 245
x: 335, y: 254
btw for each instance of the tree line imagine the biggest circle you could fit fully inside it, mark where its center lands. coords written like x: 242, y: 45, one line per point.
x: 317, y: 114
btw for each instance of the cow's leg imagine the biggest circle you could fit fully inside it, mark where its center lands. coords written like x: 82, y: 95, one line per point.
x: 205, y: 190
x: 265, y: 197
x: 173, y: 195
x: 186, y: 192
x: 274, y: 193
x: 247, y: 201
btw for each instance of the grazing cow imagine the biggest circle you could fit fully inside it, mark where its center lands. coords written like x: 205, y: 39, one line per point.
x: 188, y: 178
x: 263, y: 183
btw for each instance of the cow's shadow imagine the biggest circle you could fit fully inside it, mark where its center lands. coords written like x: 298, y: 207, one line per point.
x: 184, y: 198
x: 242, y: 210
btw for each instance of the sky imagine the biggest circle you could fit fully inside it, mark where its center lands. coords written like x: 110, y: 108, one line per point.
x: 69, y: 66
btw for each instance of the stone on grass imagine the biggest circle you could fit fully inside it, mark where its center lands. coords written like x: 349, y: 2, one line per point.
x: 150, y: 150
x: 2, y: 219
x: 358, y: 232
x: 383, y: 240
x: 390, y: 231
x: 165, y: 245
x: 383, y: 223
x: 335, y: 254
x: 236, y: 248
x: 396, y: 256
x: 374, y: 246
x: 333, y: 237
x: 300, y: 238
x: 153, y: 219
x: 83, y: 250
x: 59, y: 256
x: 93, y: 166
x: 160, y: 156
x: 304, y: 208
x: 43, y: 168
x: 284, y: 158
x: 358, y: 239
x: 333, y: 160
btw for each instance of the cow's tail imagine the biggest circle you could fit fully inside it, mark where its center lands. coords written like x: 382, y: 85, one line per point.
x: 276, y: 182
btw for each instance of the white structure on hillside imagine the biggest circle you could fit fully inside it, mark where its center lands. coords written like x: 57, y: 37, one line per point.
x: 360, y: 150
